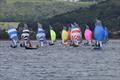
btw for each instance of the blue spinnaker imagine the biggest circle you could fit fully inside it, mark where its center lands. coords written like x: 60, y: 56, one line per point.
x: 12, y: 32
x: 99, y: 33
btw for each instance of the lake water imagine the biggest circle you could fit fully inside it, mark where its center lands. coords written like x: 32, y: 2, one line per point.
x: 60, y: 63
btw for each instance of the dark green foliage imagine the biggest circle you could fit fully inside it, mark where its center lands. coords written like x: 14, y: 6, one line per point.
x: 31, y: 13
x: 108, y: 12
x: 3, y: 34
x: 25, y: 10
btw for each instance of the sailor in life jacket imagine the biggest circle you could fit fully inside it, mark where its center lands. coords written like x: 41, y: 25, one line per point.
x: 25, y: 36
x: 41, y: 35
x: 12, y: 33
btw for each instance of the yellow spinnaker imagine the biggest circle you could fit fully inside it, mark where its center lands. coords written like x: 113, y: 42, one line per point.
x: 64, y: 35
x: 53, y: 35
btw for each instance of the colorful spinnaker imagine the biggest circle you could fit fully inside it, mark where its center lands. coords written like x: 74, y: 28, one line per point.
x: 40, y: 35
x: 88, y: 35
x: 25, y: 36
x: 75, y: 35
x: 12, y: 32
x: 64, y: 36
x: 52, y: 35
x: 99, y: 33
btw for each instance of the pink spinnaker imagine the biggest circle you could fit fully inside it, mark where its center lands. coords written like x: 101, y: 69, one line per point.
x: 88, y: 34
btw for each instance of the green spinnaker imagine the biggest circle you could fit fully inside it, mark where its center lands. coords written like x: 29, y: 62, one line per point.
x: 53, y: 35
x: 64, y: 35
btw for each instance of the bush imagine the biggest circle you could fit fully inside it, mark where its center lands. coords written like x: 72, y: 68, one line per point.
x: 3, y: 34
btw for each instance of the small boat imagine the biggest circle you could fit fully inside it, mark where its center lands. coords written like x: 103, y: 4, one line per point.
x: 31, y: 48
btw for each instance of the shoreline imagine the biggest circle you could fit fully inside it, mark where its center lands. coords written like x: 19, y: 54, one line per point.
x: 49, y: 39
